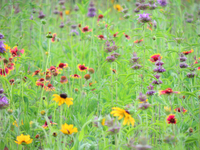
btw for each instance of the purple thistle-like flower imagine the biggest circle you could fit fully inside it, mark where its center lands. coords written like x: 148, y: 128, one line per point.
x: 1, y: 36
x: 144, y: 18
x: 41, y: 15
x: 110, y: 58
x: 162, y: 3
x: 159, y: 63
x: 56, y: 11
x: 114, y: 129
x: 61, y: 25
x: 116, y: 55
x: 190, y: 75
x: 143, y: 6
x: 91, y: 12
x: 150, y: 92
x: 156, y: 82
x: 2, y: 49
x: 142, y: 97
x: 144, y: 106
x: 142, y: 147
x: 159, y: 69
x: 183, y: 58
x: 74, y: 32
x: 157, y: 76
x: 152, y: 7
x: 3, y: 102
x: 150, y: 87
x: 31, y: 18
x: 136, y: 66
x: 183, y: 65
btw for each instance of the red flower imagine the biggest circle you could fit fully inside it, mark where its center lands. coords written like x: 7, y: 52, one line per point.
x: 75, y: 76
x: 138, y: 41
x: 196, y: 62
x: 127, y: 37
x: 155, y: 57
x: 10, y: 66
x: 53, y: 38
x: 188, y: 52
x: 115, y: 35
x: 53, y: 70
x: 101, y: 37
x: 62, y: 65
x: 49, y: 87
x: 36, y: 72
x: 61, y: 14
x: 168, y: 91
x: 180, y: 110
x: 82, y: 67
x: 11, y: 81
x: 46, y: 124
x: 15, y: 52
x: 171, y: 119
x: 4, y: 72
x: 100, y: 16
x: 86, y: 29
x: 63, y: 79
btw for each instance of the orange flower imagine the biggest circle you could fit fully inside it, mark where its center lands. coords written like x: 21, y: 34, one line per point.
x: 188, y: 52
x: 138, y: 41
x: 171, y: 119
x: 82, y: 67
x: 167, y: 91
x: 126, y: 36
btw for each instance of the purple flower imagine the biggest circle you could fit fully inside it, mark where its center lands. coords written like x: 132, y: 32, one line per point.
x: 157, y: 76
x: 190, y: 75
x: 2, y: 49
x: 3, y: 102
x: 159, y: 63
x: 91, y: 12
x: 56, y: 11
x: 142, y: 97
x: 144, y: 106
x: 31, y: 18
x: 136, y: 66
x: 74, y: 32
x: 159, y: 69
x: 135, y: 58
x: 1, y: 36
x: 110, y: 58
x: 114, y: 129
x: 41, y: 15
x: 116, y: 55
x: 183, y: 58
x: 156, y: 82
x: 162, y: 3
x: 144, y: 18
x: 61, y: 25
x: 150, y: 91
x: 183, y: 65
x: 1, y: 91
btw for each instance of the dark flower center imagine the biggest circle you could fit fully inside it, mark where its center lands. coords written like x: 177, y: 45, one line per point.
x: 168, y: 91
x: 172, y: 120
x: 82, y: 67
x: 101, y: 36
x: 50, y: 85
x: 63, y: 95
x: 63, y: 78
x: 126, y: 35
x: 85, y: 29
x: 127, y: 112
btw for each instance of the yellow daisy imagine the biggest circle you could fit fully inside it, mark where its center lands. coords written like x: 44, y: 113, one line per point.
x: 118, y: 7
x: 62, y: 98
x: 68, y: 129
x: 24, y: 139
x: 120, y: 113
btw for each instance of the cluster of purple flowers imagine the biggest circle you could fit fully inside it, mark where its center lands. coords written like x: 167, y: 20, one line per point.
x: 2, y: 46
x: 109, y: 48
x: 144, y: 18
x: 73, y: 31
x: 3, y: 100
x: 141, y: 5
x: 91, y: 10
x: 134, y: 60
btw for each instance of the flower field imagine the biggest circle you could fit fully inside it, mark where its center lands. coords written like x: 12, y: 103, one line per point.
x: 100, y: 75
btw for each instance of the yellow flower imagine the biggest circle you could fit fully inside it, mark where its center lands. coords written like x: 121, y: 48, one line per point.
x: 123, y: 114
x: 62, y: 98
x: 118, y: 7
x: 6, y: 47
x: 15, y: 123
x: 68, y: 129
x: 67, y: 12
x: 103, y: 121
x: 24, y: 139
x: 167, y: 109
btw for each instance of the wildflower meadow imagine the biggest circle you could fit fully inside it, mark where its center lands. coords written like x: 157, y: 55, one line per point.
x: 99, y: 74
